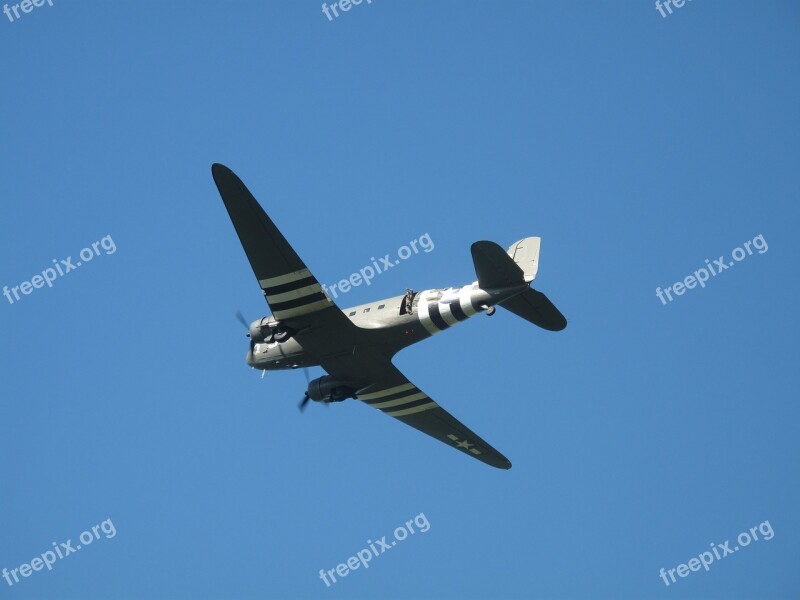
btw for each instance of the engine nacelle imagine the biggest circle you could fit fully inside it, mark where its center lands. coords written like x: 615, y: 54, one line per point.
x: 328, y: 389
x: 267, y: 330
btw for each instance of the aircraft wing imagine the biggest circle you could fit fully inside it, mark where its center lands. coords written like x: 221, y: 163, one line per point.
x: 294, y: 295
x: 397, y: 397
x: 390, y: 392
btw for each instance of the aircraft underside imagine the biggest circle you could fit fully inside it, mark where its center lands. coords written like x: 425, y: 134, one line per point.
x: 392, y: 325
x: 355, y: 346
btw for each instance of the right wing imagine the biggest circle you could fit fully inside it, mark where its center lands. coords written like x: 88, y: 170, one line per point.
x: 294, y: 295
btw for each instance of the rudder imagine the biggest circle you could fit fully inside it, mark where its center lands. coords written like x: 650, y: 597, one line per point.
x: 525, y: 253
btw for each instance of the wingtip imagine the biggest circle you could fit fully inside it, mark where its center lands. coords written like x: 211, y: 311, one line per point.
x: 499, y: 462
x: 219, y: 170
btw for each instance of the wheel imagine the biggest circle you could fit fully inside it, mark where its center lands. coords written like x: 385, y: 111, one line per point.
x: 490, y: 311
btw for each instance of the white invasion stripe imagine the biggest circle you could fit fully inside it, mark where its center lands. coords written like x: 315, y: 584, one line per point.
x: 386, y: 392
x: 281, y: 279
x: 447, y: 314
x: 399, y: 401
x: 411, y: 411
x: 450, y: 295
x: 466, y: 301
x: 302, y: 310
x: 299, y: 293
x: 424, y: 316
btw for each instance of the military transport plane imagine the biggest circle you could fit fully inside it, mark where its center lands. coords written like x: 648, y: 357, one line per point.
x: 355, y: 346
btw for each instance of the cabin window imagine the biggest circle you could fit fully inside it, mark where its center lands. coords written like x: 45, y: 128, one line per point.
x: 366, y: 310
x: 352, y: 314
x: 381, y: 306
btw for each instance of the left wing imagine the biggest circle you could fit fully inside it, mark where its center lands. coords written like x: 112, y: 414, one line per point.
x: 397, y: 397
x: 390, y: 392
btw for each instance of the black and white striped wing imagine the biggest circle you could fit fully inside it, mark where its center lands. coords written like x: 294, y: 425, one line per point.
x: 294, y: 295
x: 397, y: 397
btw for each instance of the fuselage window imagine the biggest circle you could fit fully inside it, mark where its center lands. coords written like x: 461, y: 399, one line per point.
x: 366, y: 310
x: 381, y: 306
x: 352, y: 314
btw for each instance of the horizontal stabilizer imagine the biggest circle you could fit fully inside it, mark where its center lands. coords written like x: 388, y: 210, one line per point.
x: 535, y: 307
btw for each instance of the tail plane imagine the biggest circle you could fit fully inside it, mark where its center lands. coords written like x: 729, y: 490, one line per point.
x: 498, y: 270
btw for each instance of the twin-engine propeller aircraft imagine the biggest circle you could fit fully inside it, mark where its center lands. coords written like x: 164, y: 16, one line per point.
x: 356, y: 346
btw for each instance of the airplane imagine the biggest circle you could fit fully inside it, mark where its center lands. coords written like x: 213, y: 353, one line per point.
x: 355, y: 346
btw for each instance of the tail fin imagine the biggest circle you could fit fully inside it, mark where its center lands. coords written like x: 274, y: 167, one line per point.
x: 497, y: 269
x: 526, y: 254
x: 494, y: 268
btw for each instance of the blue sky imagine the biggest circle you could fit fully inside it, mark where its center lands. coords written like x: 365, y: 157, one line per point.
x: 636, y: 146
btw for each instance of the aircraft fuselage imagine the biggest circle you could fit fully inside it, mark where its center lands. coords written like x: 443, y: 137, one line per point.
x: 432, y: 311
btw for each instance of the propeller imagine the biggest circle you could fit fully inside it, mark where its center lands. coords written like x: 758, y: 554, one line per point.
x: 242, y: 320
x: 306, y: 397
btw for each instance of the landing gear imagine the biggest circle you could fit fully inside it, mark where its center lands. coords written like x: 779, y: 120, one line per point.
x: 490, y: 311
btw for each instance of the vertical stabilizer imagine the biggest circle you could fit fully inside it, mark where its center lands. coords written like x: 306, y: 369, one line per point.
x: 526, y: 254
